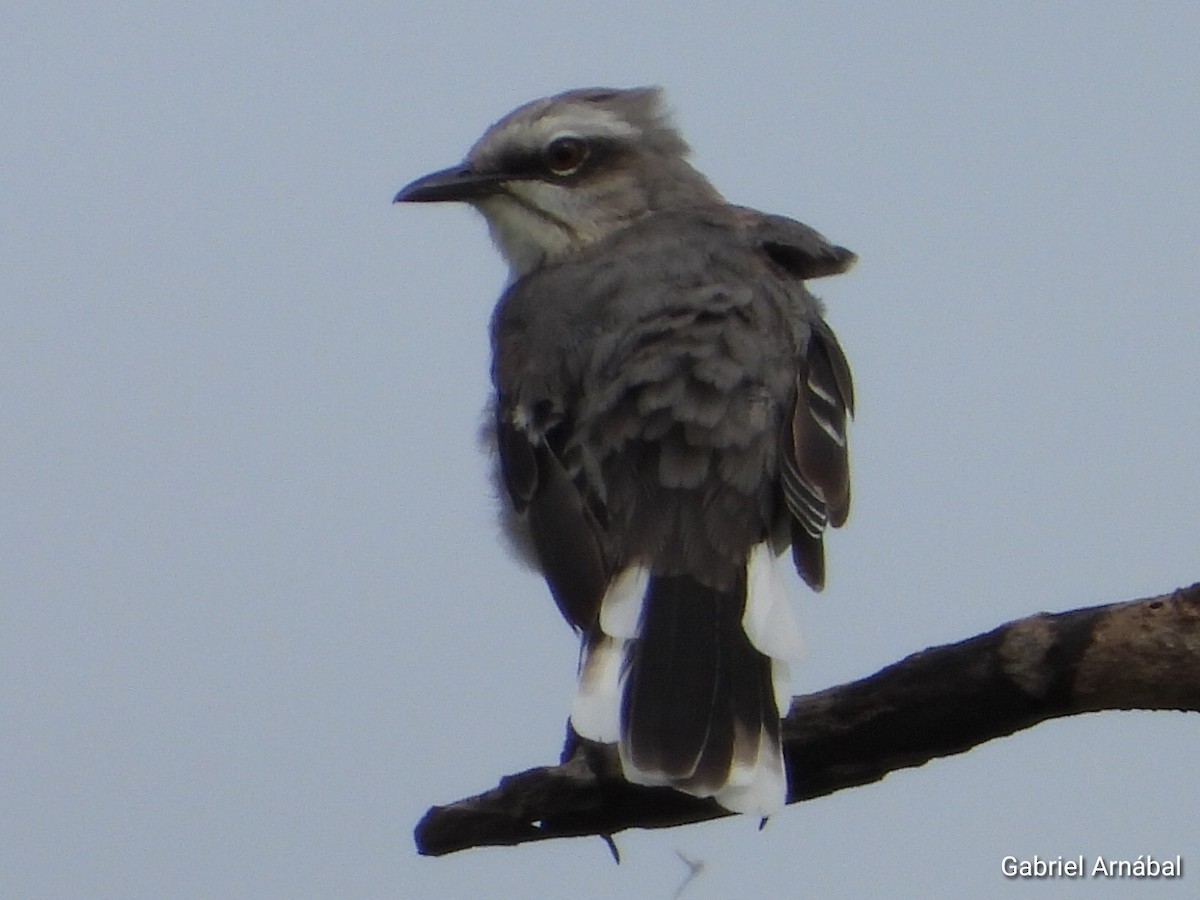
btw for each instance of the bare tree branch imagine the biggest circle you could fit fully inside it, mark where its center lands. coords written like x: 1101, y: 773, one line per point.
x: 1143, y: 654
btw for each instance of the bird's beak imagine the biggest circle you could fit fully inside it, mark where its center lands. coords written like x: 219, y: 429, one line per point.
x: 456, y: 183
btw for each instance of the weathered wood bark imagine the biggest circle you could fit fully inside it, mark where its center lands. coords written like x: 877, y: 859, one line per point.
x: 1144, y: 654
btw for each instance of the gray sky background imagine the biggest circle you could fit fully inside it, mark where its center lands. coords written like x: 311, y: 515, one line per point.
x: 254, y: 616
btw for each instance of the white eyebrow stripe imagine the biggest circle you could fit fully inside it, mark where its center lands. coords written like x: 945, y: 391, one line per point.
x: 583, y: 123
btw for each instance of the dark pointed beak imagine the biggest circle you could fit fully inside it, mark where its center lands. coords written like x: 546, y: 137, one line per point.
x: 456, y: 183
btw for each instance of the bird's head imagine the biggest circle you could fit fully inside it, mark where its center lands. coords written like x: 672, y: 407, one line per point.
x: 560, y: 173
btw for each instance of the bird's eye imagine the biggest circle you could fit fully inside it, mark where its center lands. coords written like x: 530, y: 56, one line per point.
x: 565, y: 155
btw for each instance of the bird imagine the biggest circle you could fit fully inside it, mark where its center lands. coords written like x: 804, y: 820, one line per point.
x: 669, y: 416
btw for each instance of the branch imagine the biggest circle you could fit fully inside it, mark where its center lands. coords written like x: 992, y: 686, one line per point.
x: 1143, y: 654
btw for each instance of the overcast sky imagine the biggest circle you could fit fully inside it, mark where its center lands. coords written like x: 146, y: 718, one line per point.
x: 254, y: 615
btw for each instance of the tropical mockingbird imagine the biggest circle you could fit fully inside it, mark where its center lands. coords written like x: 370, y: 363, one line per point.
x: 669, y: 416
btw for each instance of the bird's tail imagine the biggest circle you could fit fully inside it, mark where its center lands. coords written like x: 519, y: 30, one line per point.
x: 690, y: 681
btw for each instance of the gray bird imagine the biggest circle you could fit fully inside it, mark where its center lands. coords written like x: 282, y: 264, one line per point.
x: 669, y: 416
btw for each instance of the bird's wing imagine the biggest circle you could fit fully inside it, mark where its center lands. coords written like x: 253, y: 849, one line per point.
x: 801, y: 250
x: 815, y: 471
x: 565, y: 534
x: 815, y: 474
